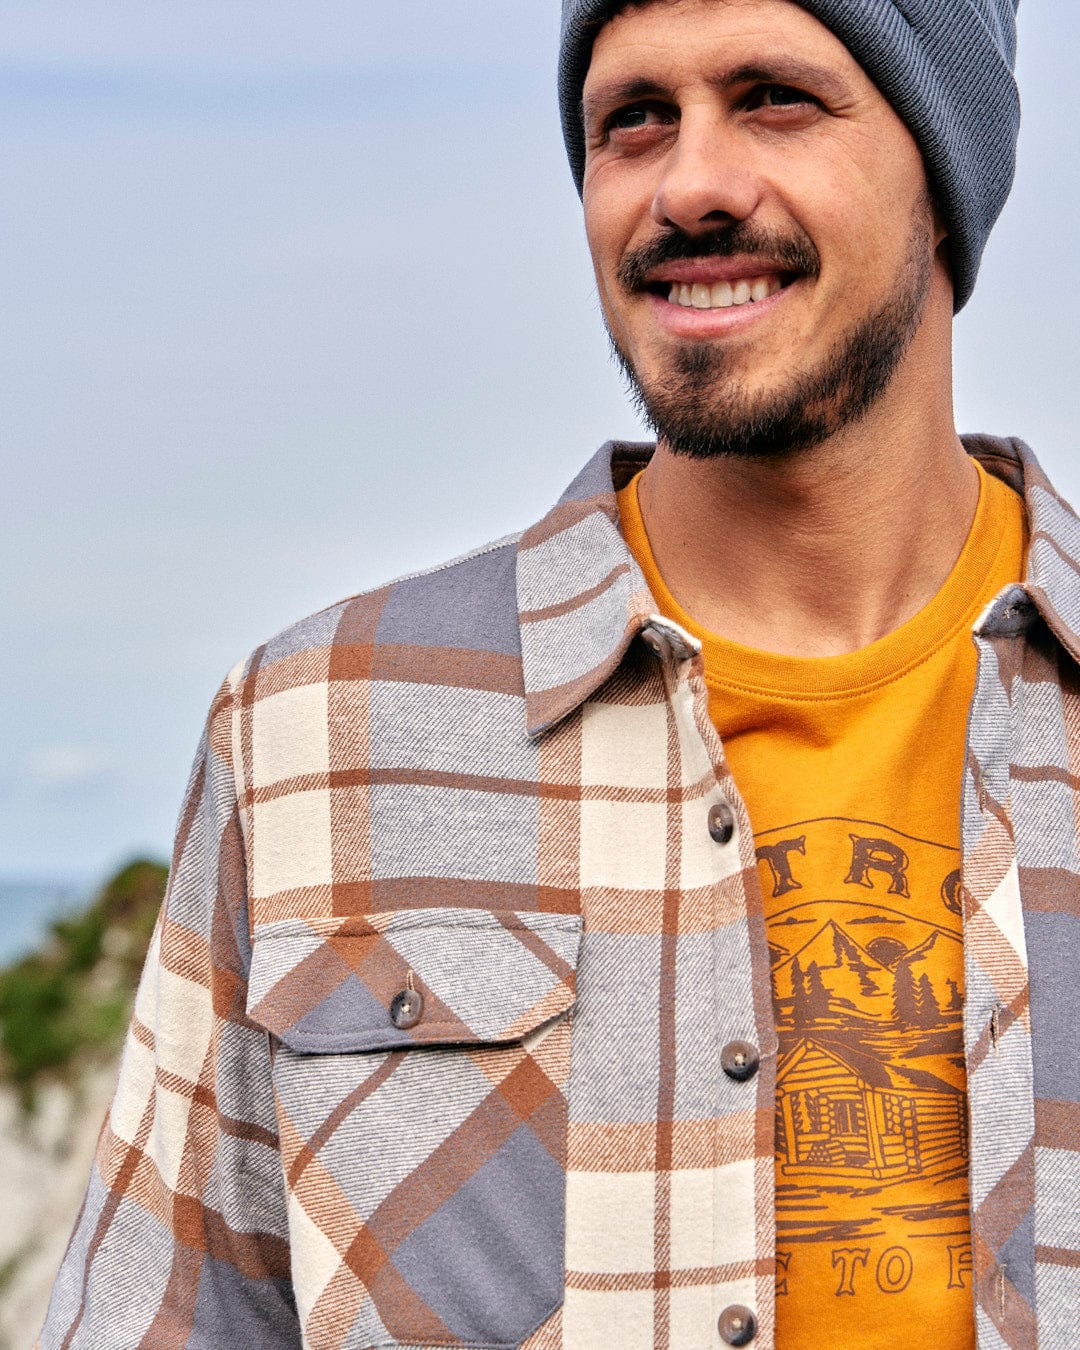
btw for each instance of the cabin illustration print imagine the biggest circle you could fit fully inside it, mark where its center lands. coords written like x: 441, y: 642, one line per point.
x: 865, y: 936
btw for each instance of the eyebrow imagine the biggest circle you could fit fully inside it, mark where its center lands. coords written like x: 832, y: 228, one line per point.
x: 789, y: 70
x: 616, y: 93
x: 777, y: 70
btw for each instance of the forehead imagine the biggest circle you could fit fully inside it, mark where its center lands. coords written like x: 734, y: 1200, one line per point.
x: 671, y: 37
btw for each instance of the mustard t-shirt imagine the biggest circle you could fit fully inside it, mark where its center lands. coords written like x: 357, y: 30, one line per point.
x: 851, y: 769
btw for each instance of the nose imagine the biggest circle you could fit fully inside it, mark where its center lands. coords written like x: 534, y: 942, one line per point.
x: 708, y: 177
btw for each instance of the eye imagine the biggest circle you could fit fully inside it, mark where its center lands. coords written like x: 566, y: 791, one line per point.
x: 637, y: 116
x: 779, y: 96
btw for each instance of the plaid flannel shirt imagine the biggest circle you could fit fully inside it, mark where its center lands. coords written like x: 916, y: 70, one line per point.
x: 475, y: 795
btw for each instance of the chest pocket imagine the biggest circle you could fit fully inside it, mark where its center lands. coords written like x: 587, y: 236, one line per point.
x: 420, y: 1068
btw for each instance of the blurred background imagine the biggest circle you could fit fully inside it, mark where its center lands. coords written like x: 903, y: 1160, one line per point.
x: 294, y: 299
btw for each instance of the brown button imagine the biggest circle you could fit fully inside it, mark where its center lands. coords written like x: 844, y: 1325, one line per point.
x: 657, y: 641
x: 407, y: 1009
x: 722, y: 823
x: 739, y: 1060
x: 738, y: 1325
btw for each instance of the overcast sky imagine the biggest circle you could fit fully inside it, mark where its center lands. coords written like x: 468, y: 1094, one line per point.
x: 294, y: 298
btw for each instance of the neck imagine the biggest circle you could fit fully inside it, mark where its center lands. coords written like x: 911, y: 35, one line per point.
x: 822, y: 552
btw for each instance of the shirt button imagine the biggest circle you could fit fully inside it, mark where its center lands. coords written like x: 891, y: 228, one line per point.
x: 739, y: 1060
x: 738, y: 1325
x: 407, y: 1009
x: 656, y: 641
x: 722, y: 823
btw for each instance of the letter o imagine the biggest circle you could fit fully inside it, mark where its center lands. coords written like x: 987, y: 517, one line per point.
x: 894, y: 1270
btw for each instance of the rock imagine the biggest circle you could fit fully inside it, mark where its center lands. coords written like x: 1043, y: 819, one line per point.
x: 45, y: 1164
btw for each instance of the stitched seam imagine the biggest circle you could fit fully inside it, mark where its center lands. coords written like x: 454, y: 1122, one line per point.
x: 468, y: 1040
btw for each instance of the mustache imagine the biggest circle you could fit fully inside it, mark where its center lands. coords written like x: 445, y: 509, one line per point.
x: 787, y: 252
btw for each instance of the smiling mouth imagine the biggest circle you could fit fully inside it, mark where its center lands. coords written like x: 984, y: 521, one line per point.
x: 721, y: 294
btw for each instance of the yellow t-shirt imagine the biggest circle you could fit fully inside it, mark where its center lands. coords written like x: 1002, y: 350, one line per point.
x: 851, y: 770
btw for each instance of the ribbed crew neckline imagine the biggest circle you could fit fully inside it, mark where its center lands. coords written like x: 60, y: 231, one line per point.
x: 956, y: 606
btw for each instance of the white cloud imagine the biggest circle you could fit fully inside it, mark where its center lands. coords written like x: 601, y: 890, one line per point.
x: 64, y: 766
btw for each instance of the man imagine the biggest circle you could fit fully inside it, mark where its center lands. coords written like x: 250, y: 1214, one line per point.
x: 660, y: 929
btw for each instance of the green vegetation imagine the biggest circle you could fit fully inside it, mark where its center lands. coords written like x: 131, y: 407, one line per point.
x: 69, y: 1002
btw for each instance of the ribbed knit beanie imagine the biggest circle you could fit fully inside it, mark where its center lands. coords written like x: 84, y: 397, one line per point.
x: 946, y: 66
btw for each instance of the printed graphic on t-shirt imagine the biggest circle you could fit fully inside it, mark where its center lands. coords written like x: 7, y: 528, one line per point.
x: 865, y: 939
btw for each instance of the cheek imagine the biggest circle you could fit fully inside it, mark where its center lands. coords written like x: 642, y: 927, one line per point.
x: 600, y: 211
x: 870, y: 213
x: 860, y: 238
x: 617, y: 216
x: 606, y: 247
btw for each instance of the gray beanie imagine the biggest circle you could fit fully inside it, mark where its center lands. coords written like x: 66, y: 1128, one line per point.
x: 946, y: 66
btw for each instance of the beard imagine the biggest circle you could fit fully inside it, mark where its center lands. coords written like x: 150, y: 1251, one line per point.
x: 700, y: 409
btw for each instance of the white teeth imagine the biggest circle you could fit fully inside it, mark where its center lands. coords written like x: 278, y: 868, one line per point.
x: 723, y: 294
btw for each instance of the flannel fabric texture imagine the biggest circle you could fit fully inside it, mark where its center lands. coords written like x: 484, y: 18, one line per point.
x: 488, y: 787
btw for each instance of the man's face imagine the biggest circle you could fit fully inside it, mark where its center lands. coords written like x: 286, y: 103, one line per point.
x: 759, y: 220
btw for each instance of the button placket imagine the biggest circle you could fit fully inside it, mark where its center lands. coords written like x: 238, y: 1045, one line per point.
x: 738, y: 1061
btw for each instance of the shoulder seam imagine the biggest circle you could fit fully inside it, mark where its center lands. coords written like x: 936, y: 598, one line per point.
x: 492, y: 547
x: 230, y: 687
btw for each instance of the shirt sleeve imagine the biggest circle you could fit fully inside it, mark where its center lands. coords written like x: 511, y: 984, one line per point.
x: 182, y: 1238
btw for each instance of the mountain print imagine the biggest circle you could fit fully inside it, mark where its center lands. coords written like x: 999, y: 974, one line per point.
x: 866, y: 962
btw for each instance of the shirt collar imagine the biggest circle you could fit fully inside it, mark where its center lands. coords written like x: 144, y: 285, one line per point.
x: 1051, y: 585
x: 582, y: 598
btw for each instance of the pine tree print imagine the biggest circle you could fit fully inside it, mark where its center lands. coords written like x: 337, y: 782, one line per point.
x: 928, y: 1012
x: 905, y: 996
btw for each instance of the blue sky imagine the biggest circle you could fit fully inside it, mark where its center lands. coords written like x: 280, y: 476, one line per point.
x: 295, y: 298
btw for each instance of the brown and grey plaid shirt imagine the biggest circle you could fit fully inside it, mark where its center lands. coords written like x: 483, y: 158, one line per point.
x: 428, y: 1047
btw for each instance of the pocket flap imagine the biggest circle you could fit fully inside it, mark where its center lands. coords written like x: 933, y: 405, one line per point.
x: 482, y: 976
